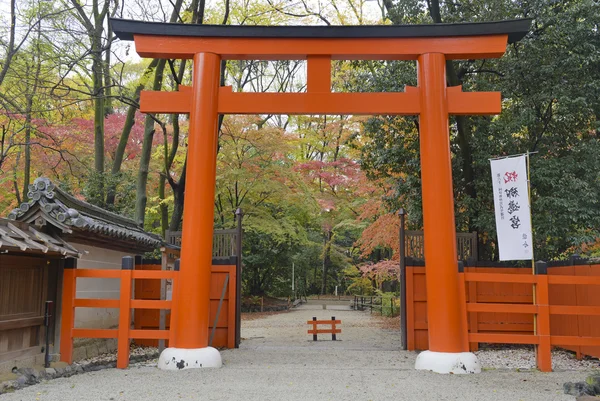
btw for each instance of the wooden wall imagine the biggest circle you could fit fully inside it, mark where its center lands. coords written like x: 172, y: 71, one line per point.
x: 23, y: 290
x: 225, y: 332
x: 581, y: 295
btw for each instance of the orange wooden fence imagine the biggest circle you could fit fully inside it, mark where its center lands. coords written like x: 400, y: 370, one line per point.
x: 333, y: 330
x: 225, y: 332
x: 125, y: 304
x: 500, y: 309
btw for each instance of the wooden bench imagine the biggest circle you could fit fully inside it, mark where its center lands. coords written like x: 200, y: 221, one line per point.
x: 333, y: 330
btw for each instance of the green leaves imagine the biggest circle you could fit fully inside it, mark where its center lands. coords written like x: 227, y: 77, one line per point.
x: 550, y: 84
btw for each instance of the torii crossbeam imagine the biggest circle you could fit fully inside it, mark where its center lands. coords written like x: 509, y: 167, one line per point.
x: 432, y: 100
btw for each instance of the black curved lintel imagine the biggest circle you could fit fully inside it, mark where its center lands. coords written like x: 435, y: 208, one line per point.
x: 515, y: 29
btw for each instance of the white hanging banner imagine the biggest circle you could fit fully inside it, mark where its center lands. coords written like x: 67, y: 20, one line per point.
x: 511, y: 203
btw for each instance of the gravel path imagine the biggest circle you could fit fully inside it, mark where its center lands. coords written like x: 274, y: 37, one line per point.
x: 277, y: 361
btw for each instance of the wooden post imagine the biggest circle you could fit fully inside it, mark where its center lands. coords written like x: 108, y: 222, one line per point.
x: 473, y: 316
x: 238, y: 279
x: 333, y: 337
x: 162, y: 314
x: 543, y: 349
x: 174, y: 283
x: 463, y: 302
x: 410, y: 310
x: 315, y: 329
x: 402, y: 252
x: 474, y: 247
x: 572, y: 261
x: 68, y: 310
x: 443, y: 299
x: 191, y: 303
x: 127, y: 266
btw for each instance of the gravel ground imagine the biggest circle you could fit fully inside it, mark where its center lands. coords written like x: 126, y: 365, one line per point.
x: 278, y: 361
x: 524, y: 358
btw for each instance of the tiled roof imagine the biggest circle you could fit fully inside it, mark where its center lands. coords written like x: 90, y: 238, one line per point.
x: 23, y: 237
x: 49, y: 204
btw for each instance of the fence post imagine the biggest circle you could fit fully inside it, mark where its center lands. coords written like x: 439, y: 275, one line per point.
x: 573, y: 261
x: 543, y: 349
x: 174, y: 282
x: 402, y: 254
x: 462, y: 296
x: 127, y: 266
x: 162, y: 313
x: 48, y: 314
x: 410, y: 310
x: 474, y: 247
x: 315, y: 329
x: 333, y: 338
x: 68, y: 310
x: 473, y: 317
x: 238, y: 279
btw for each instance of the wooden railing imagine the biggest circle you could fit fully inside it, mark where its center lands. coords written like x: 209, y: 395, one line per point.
x: 125, y: 304
x: 224, y: 242
x: 466, y: 245
x: 389, y: 307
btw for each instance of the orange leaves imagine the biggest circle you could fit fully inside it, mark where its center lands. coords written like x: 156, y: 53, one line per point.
x: 384, y: 232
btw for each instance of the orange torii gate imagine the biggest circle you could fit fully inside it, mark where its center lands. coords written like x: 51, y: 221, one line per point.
x: 432, y: 100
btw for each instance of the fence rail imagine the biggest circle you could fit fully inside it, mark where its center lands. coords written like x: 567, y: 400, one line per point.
x: 125, y: 304
x: 380, y: 304
x: 540, y: 308
x: 224, y: 242
x: 466, y: 245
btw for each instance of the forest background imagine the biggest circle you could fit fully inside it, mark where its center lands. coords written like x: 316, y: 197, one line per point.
x: 319, y: 193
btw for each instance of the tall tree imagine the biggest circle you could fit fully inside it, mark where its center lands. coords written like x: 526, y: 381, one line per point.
x: 94, y: 19
x: 149, y: 125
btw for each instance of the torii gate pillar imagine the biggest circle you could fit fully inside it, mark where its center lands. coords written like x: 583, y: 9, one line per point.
x: 189, y: 336
x: 448, y: 342
x: 433, y: 101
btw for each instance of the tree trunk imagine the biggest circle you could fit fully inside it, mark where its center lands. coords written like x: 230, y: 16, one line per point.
x: 142, y: 181
x: 97, y: 195
x: 169, y: 157
x: 10, y: 50
x: 178, y: 194
x: 326, y: 261
x: 37, y: 60
x: 27, y: 166
x: 108, y: 108
x: 124, y: 139
x: 462, y: 122
x: 94, y: 27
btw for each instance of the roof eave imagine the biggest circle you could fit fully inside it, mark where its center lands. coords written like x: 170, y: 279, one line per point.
x: 515, y: 29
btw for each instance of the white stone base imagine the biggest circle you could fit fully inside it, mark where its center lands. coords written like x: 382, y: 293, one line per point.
x: 446, y: 362
x: 182, y: 358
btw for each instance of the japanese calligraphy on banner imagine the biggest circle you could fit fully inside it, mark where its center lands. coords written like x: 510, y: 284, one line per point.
x: 511, y: 202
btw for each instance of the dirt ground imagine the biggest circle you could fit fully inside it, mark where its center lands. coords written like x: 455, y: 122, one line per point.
x: 278, y: 360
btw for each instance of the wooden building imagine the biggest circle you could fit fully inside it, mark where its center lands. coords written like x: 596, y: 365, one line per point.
x: 35, y: 240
